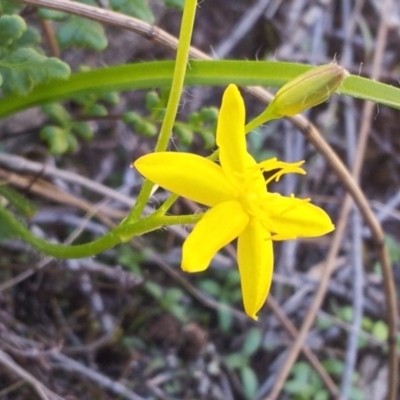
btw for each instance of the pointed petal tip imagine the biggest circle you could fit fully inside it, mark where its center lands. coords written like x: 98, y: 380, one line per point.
x: 253, y: 316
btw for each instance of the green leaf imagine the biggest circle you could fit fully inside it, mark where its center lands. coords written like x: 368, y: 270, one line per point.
x: 321, y: 395
x: 9, y: 7
x: 25, y: 68
x: 58, y: 114
x: 252, y: 341
x: 52, y: 14
x: 333, y: 366
x: 235, y: 360
x: 95, y: 110
x: 380, y: 330
x: 83, y: 130
x: 393, y: 248
x: 302, y: 389
x: 250, y: 382
x: 175, y: 3
x: 57, y: 138
x: 111, y: 98
x: 11, y: 27
x: 201, y: 73
x: 135, y: 8
x: 82, y: 32
x: 30, y: 38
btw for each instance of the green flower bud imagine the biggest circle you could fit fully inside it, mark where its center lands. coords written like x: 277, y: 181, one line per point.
x: 307, y: 90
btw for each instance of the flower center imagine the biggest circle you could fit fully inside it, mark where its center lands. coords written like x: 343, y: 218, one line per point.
x: 256, y: 201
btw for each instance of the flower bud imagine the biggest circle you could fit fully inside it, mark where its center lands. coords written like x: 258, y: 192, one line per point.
x: 307, y: 90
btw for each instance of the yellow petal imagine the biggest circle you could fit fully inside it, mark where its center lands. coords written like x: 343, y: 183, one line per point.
x: 219, y: 226
x: 293, y: 218
x: 230, y: 133
x: 188, y: 175
x: 255, y: 259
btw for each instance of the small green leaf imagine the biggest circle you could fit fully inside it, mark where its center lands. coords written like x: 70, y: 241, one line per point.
x: 9, y: 7
x: 136, y: 8
x: 95, y: 110
x: 209, y: 114
x: 252, y: 341
x: 30, y: 38
x: 380, y: 330
x: 333, y: 366
x: 209, y: 139
x: 25, y: 68
x: 321, y: 395
x: 57, y: 113
x: 52, y: 14
x: 57, y: 138
x: 184, y: 133
x: 154, y: 290
x: 83, y: 130
x: 235, y: 360
x: 131, y: 118
x: 250, y: 382
x: 175, y: 3
x: 152, y: 100
x: 300, y: 388
x: 210, y: 286
x: 82, y: 32
x: 111, y: 98
x: 11, y: 27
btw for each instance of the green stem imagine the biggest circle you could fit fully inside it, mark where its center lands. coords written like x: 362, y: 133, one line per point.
x: 121, y: 233
x: 167, y: 204
x: 182, y: 55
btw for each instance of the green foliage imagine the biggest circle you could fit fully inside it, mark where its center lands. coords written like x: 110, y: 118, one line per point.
x: 11, y: 27
x: 80, y: 32
x: 61, y: 137
x: 22, y: 66
x: 241, y: 361
x: 202, y: 122
x: 249, y: 381
x: 393, y: 247
x: 175, y: 3
x: 379, y: 329
x: 9, y: 7
x: 139, y: 124
x: 169, y: 299
x: 226, y: 288
x: 305, y: 384
x: 52, y: 14
x: 136, y: 8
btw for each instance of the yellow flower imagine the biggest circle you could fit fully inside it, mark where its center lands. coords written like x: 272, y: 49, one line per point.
x: 241, y: 206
